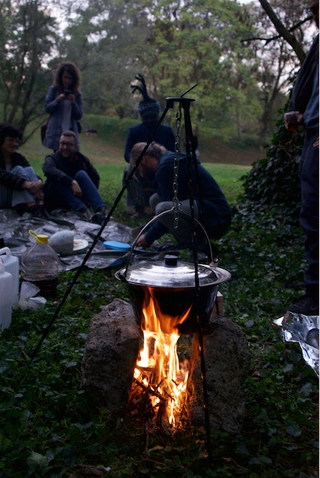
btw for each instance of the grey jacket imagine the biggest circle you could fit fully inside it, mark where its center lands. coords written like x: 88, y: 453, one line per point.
x: 55, y: 110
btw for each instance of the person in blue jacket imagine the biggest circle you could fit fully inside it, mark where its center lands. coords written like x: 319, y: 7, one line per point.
x: 140, y: 189
x: 64, y: 104
x: 211, y: 208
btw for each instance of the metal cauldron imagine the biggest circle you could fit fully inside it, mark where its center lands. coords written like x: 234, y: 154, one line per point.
x: 170, y: 285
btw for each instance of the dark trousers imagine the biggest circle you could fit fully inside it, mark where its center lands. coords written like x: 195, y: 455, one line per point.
x: 309, y: 217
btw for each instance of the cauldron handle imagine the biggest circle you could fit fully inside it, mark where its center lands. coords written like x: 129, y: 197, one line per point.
x: 155, y: 218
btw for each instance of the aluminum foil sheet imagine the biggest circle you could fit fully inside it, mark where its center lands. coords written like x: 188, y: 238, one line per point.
x: 304, y: 330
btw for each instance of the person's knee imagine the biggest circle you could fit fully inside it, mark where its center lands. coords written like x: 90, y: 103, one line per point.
x: 162, y: 207
x: 81, y: 175
x: 154, y: 200
x: 19, y: 171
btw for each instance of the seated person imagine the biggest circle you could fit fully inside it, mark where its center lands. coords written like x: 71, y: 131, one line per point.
x: 139, y: 191
x: 210, y: 205
x: 72, y: 181
x: 20, y: 187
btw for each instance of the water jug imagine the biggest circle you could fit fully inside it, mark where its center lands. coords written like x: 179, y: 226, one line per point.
x: 11, y: 265
x: 5, y: 297
x: 40, y: 264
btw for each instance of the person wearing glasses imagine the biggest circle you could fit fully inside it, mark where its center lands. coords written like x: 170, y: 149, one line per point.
x: 72, y: 181
x: 20, y: 187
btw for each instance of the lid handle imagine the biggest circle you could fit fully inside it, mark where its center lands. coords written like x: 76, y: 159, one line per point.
x: 171, y: 260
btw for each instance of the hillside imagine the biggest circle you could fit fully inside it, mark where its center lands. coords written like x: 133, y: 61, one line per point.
x: 109, y: 143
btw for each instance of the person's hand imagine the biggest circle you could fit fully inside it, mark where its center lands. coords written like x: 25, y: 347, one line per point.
x: 37, y: 188
x: 33, y: 186
x: 316, y: 143
x: 142, y: 241
x: 292, y: 120
x: 76, y: 189
x: 71, y: 98
x: 61, y: 97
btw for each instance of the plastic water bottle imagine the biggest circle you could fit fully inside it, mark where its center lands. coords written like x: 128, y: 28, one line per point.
x: 11, y: 265
x: 5, y: 297
x: 40, y: 264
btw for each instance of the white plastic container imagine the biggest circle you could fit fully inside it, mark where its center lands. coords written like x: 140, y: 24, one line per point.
x: 40, y: 264
x: 11, y: 265
x: 5, y: 297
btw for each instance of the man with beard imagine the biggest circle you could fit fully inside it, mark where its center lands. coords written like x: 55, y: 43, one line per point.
x: 72, y: 181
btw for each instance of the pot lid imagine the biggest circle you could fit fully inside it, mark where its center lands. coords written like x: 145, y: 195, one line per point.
x: 173, y: 273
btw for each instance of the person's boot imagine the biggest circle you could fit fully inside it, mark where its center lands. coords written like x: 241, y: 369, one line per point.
x: 307, y: 305
x: 86, y: 213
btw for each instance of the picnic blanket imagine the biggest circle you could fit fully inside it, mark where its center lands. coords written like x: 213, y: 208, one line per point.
x: 14, y: 230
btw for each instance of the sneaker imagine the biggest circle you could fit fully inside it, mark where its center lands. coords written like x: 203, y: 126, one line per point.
x: 99, y: 216
x: 40, y: 212
x: 307, y: 305
x: 36, y: 210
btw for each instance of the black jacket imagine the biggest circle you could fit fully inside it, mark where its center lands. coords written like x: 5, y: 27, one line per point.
x: 59, y: 169
x: 303, y: 86
x: 8, y: 179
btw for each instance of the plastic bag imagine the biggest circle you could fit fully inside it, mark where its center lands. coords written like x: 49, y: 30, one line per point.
x: 27, y: 297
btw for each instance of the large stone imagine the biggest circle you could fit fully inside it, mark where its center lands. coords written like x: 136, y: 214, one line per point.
x: 227, y: 363
x: 110, y: 356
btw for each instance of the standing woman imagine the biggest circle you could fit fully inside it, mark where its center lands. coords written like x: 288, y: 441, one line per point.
x: 64, y: 105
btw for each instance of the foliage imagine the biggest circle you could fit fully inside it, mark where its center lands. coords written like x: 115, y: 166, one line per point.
x: 174, y: 44
x: 27, y: 39
x: 274, y: 180
x: 47, y: 427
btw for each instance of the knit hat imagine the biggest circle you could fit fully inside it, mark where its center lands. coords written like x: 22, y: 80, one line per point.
x: 148, y: 107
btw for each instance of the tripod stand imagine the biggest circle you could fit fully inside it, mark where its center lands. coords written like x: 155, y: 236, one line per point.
x: 184, y: 104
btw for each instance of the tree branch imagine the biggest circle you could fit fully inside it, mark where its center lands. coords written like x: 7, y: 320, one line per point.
x: 276, y: 37
x: 283, y: 31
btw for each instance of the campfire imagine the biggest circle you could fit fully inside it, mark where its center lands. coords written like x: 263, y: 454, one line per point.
x: 160, y: 381
x: 164, y: 297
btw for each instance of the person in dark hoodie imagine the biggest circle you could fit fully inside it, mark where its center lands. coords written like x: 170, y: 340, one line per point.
x: 72, y: 181
x: 211, y: 208
x: 304, y: 109
x: 140, y: 189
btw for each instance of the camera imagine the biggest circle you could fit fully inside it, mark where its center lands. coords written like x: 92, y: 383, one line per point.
x: 67, y: 93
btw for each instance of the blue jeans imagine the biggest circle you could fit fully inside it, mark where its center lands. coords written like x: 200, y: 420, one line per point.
x: 309, y: 216
x: 58, y: 195
x: 12, y: 197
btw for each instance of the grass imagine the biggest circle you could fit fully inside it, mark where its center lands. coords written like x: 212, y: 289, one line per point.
x: 47, y: 427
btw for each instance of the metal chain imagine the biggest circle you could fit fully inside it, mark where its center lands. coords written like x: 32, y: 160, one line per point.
x: 176, y: 202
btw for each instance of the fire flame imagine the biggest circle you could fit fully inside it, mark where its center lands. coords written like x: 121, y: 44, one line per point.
x: 158, y: 365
